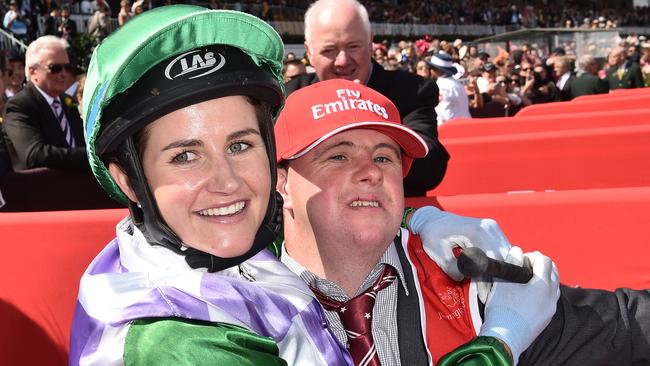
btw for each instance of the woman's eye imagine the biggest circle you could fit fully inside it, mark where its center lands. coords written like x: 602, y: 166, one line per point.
x: 337, y: 157
x: 382, y: 159
x: 238, y: 147
x: 184, y: 157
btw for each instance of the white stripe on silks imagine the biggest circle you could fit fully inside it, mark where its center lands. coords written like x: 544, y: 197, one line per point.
x: 369, y: 356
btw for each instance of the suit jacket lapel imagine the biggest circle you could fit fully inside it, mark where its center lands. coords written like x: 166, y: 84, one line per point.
x: 50, y: 121
x: 40, y: 100
x: 376, y: 79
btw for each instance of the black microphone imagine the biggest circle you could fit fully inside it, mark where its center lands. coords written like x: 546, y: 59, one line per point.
x: 473, y: 262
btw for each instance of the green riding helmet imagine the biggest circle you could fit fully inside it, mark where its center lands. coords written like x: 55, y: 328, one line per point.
x: 163, y: 60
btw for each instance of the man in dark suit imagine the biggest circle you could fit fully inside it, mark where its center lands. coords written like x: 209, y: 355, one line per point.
x: 340, y: 46
x: 66, y: 27
x: 623, y: 74
x: 40, y: 129
x: 587, y: 81
x: 562, y: 70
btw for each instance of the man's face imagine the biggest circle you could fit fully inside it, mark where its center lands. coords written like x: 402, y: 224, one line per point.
x: 294, y: 70
x: 616, y: 58
x: 340, y: 47
x: 379, y: 55
x: 422, y: 69
x: 526, y: 69
x: 347, y: 189
x: 559, y: 68
x: 43, y: 74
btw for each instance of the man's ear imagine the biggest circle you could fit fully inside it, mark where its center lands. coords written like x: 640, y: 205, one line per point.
x: 283, y: 188
x: 308, y: 51
x: 30, y: 72
x: 122, y: 180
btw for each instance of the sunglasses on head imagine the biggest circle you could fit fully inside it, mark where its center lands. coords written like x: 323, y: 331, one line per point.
x: 57, y: 68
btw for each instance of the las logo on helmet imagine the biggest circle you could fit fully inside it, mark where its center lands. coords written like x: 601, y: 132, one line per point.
x: 194, y: 61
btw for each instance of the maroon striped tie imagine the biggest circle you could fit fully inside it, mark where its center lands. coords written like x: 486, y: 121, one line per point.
x: 356, y: 316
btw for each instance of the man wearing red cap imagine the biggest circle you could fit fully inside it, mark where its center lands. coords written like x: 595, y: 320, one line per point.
x: 342, y: 152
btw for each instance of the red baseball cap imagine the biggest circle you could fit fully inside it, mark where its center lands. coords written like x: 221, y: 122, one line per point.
x: 317, y: 112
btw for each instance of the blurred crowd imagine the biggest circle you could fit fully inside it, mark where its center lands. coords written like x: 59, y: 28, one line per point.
x: 577, y: 13
x: 501, y: 85
x: 530, y: 13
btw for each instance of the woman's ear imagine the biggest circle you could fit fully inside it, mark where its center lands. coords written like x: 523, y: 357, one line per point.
x: 283, y: 188
x: 122, y: 180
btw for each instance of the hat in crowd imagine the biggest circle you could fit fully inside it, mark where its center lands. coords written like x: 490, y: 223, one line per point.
x: 482, y: 53
x: 443, y: 62
x: 315, y: 113
x: 136, y: 4
x: 559, y: 51
x: 488, y: 66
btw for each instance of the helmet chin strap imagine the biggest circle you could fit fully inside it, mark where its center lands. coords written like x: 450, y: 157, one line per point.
x: 148, y: 219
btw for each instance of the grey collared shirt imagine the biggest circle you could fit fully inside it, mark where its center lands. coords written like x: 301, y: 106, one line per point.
x: 384, y: 314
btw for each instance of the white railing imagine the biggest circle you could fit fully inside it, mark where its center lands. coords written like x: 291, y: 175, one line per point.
x: 8, y: 41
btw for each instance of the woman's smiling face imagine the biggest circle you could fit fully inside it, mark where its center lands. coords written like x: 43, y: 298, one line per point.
x: 208, y: 169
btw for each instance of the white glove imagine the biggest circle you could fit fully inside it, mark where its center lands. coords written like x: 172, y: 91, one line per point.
x: 442, y: 231
x: 517, y: 313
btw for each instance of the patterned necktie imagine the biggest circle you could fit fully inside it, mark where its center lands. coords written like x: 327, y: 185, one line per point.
x: 63, y: 122
x: 356, y: 316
